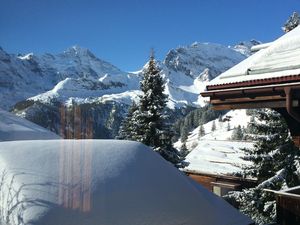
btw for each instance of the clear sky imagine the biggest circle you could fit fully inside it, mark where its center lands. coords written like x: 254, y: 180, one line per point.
x: 123, y: 31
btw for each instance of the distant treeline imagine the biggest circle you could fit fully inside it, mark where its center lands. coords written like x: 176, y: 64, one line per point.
x: 193, y: 119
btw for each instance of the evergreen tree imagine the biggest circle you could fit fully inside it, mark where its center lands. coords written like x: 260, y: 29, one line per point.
x: 292, y: 22
x: 127, y: 128
x: 275, y: 161
x: 201, y: 131
x: 183, y: 150
x: 152, y: 103
x: 237, y: 133
x: 213, y: 126
x: 184, y: 134
x: 228, y: 126
x: 220, y: 119
x: 148, y: 122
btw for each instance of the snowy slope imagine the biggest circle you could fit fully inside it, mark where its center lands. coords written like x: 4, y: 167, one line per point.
x: 217, y: 157
x: 215, y: 152
x: 113, y: 182
x: 16, y: 128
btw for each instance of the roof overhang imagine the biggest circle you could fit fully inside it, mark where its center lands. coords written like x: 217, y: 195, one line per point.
x: 257, y: 95
x: 270, y: 78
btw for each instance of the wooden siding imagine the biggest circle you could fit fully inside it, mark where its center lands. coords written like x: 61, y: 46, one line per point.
x: 288, y: 207
x: 228, y: 182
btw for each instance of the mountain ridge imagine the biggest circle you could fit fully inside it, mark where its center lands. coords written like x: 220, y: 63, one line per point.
x: 44, y: 85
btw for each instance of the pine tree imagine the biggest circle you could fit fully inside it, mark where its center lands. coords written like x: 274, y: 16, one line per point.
x: 274, y: 163
x: 184, y: 134
x: 220, y: 119
x: 228, y: 126
x: 183, y: 150
x: 128, y: 128
x: 148, y: 122
x: 273, y: 145
x: 201, y: 131
x: 292, y: 22
x: 237, y: 133
x: 213, y: 126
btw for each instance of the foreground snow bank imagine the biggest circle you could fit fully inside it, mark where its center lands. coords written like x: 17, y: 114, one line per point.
x: 16, y: 128
x: 101, y: 182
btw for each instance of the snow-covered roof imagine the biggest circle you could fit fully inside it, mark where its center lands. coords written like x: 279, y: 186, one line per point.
x: 101, y: 182
x: 14, y: 128
x: 280, y: 59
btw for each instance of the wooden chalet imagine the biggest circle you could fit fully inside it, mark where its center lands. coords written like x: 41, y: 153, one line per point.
x: 270, y: 78
x: 220, y: 184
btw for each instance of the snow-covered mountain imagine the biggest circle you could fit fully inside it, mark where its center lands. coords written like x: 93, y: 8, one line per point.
x: 28, y: 75
x: 77, y: 73
x: 188, y: 69
x: 244, y: 47
x: 41, y: 85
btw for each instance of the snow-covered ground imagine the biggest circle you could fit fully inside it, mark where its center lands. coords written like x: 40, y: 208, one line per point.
x: 217, y: 157
x: 215, y: 152
x: 98, y: 182
x: 13, y: 128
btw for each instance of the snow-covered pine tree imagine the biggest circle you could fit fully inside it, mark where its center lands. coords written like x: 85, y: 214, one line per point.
x: 152, y: 103
x: 183, y: 153
x: 292, y: 22
x: 228, y: 126
x: 237, y: 133
x: 274, y: 163
x: 201, y: 131
x: 213, y: 126
x: 220, y: 119
x: 128, y: 128
x: 183, y: 149
x: 274, y: 148
x: 149, y: 120
x: 184, y: 133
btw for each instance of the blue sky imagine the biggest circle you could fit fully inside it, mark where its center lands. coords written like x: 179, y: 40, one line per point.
x: 123, y: 31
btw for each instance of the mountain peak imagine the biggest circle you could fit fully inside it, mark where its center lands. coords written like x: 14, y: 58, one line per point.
x: 244, y: 47
x: 77, y: 50
x: 28, y: 56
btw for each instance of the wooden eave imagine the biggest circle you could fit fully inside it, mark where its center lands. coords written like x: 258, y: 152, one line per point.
x: 259, y: 96
x: 256, y: 82
x: 219, y: 176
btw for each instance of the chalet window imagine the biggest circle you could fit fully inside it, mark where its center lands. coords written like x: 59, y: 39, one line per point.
x: 222, y: 188
x: 217, y: 190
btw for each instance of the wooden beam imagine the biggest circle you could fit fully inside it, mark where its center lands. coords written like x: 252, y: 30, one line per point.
x: 246, y: 99
x: 296, y: 140
x: 253, y: 105
x: 249, y: 105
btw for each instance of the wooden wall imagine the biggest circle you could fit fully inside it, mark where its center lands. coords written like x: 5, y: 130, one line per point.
x: 288, y: 209
x: 210, y: 180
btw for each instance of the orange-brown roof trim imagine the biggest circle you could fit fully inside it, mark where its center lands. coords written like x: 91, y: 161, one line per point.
x: 257, y: 82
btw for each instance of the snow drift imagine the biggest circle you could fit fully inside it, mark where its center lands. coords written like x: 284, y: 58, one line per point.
x: 15, y: 128
x: 101, y: 182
